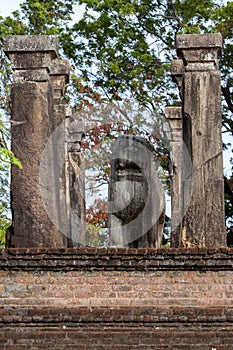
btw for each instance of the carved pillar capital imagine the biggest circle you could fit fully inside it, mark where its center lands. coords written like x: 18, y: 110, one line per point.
x: 59, y: 77
x: 173, y: 115
x: 31, y: 55
x: 75, y: 133
x: 199, y: 52
x: 177, y: 72
x: 173, y: 112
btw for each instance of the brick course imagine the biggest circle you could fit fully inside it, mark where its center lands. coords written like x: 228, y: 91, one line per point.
x: 123, y: 299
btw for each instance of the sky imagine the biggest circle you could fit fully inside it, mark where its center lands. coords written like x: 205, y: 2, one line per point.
x: 8, y: 6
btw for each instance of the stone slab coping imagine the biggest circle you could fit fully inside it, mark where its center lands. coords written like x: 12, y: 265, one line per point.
x: 122, y: 251
x: 41, y: 316
x: 30, y: 44
x: 114, y: 259
x: 199, y: 41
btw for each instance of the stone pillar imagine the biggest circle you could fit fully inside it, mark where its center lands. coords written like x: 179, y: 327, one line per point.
x: 72, y: 206
x: 136, y: 199
x: 174, y: 116
x: 33, y: 113
x: 59, y: 77
x: 75, y: 182
x: 203, y: 224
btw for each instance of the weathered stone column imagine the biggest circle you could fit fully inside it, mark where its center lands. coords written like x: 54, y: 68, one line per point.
x: 174, y: 116
x: 33, y: 112
x: 71, y: 183
x: 63, y: 160
x: 136, y: 198
x: 59, y: 72
x: 75, y: 182
x: 203, y: 224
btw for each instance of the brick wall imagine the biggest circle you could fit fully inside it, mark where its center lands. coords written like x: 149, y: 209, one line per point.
x: 116, y: 299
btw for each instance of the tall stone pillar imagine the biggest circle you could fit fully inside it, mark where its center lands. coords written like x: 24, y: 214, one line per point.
x: 75, y: 182
x: 71, y: 183
x: 59, y: 72
x: 203, y: 223
x: 32, y: 110
x: 62, y: 167
x: 174, y: 116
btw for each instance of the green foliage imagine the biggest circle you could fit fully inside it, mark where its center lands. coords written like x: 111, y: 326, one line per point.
x: 7, y: 158
x: 116, y: 39
x: 4, y: 224
x: 46, y: 17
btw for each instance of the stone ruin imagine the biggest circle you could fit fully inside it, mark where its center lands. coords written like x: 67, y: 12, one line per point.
x: 136, y: 211
x: 38, y: 107
x: 197, y: 76
x: 57, y: 295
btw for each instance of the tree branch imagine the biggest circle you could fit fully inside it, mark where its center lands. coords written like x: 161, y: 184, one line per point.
x: 227, y: 95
